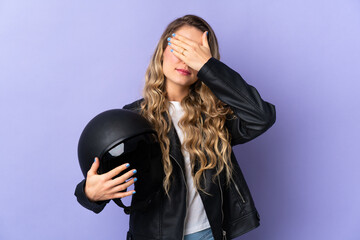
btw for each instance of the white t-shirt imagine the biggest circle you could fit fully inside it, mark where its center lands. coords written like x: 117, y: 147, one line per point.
x: 196, y: 219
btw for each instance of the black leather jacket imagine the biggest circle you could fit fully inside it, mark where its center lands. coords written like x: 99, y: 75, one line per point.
x: 230, y: 210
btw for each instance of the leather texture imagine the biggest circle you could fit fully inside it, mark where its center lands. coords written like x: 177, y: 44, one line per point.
x: 231, y: 210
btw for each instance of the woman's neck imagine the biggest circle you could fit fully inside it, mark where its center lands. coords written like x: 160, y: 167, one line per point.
x: 176, y: 92
x: 176, y: 97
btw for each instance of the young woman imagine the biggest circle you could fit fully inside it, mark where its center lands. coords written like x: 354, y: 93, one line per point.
x: 200, y: 108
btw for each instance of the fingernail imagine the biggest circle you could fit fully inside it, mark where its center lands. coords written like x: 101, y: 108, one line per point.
x: 207, y: 33
x: 169, y: 38
x: 134, y: 171
x: 94, y: 159
x: 173, y: 34
x: 171, y: 50
x: 135, y: 179
x: 128, y: 165
x: 133, y: 192
x: 169, y: 43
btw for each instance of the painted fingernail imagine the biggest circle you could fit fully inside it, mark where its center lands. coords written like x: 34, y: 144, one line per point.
x: 133, y: 192
x: 207, y: 33
x: 171, y: 50
x: 169, y: 38
x: 169, y: 43
x: 135, y: 179
x: 173, y: 34
x: 94, y: 159
x: 134, y: 171
x: 128, y: 165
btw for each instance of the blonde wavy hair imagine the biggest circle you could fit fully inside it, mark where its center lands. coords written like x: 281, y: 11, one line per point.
x: 203, y: 138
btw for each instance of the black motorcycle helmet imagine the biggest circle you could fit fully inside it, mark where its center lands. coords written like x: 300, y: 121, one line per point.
x: 121, y: 136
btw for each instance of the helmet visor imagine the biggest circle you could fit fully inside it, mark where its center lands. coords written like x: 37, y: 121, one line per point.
x: 137, y: 151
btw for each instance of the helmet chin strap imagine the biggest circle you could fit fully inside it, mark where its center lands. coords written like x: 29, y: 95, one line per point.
x: 137, y: 205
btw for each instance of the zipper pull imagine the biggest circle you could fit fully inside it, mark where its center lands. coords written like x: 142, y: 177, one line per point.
x: 224, y: 235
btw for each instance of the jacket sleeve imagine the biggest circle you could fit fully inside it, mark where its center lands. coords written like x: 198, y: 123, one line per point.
x: 253, y: 115
x: 96, y: 207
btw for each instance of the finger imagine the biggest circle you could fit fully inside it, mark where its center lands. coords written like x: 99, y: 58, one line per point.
x: 123, y: 186
x: 94, y: 167
x: 179, y: 43
x: 176, y: 47
x: 122, y: 194
x: 122, y: 178
x: 116, y: 171
x: 185, y: 40
x: 179, y: 55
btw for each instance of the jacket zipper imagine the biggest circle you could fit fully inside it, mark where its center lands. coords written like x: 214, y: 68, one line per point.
x: 222, y: 211
x: 183, y: 174
x: 237, y: 189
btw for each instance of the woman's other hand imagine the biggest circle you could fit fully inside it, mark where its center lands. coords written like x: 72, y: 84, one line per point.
x: 104, y: 187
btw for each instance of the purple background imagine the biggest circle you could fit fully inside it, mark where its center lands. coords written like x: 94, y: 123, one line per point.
x: 63, y: 62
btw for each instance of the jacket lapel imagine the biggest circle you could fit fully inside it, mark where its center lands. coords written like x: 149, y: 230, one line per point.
x: 175, y: 145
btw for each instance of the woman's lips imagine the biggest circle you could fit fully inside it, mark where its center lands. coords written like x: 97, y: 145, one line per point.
x: 183, y: 72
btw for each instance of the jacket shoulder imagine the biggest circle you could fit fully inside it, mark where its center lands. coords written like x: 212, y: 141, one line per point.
x: 135, y: 105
